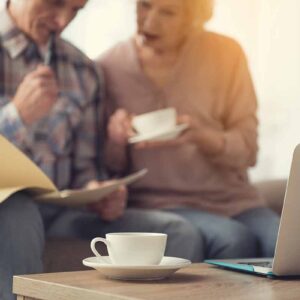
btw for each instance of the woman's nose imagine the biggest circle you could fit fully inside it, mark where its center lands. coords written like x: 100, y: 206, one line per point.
x: 151, y: 21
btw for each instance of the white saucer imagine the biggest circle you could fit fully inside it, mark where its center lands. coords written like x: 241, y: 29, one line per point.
x: 159, y: 136
x: 168, y: 266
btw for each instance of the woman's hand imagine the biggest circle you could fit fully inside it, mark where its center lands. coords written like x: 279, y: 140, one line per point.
x: 119, y: 130
x: 111, y: 207
x: 119, y: 127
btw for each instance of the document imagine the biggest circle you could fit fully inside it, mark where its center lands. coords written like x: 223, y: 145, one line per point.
x: 19, y: 173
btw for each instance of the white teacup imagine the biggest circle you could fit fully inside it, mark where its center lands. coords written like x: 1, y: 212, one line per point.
x: 155, y: 121
x: 133, y: 248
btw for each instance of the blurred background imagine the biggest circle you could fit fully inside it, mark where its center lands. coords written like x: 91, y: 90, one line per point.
x: 268, y: 30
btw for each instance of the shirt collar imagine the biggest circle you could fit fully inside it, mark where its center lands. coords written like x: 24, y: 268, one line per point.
x: 13, y: 39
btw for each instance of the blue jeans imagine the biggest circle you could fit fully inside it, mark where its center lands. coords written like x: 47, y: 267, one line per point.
x: 250, y: 234
x: 24, y: 225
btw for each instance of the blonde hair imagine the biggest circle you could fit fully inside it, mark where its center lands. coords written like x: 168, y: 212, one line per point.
x: 200, y: 11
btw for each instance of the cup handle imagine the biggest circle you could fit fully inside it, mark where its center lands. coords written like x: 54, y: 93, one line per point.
x: 93, y: 243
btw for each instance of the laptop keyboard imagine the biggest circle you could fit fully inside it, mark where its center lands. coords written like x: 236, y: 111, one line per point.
x: 264, y: 264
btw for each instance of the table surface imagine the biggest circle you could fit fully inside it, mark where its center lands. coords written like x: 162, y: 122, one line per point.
x: 199, y: 281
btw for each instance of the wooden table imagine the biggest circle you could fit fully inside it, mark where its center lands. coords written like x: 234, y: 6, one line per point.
x: 199, y: 281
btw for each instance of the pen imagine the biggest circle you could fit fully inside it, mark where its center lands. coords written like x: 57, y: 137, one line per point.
x: 50, y: 47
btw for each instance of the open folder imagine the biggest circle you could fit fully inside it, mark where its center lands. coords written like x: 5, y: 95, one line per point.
x: 19, y: 173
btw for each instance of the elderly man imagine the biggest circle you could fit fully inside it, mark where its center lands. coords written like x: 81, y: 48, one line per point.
x: 50, y: 112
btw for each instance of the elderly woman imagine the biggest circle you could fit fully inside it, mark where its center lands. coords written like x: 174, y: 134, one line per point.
x: 202, y: 175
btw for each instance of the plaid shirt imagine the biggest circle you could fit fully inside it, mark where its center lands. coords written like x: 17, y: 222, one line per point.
x: 63, y: 144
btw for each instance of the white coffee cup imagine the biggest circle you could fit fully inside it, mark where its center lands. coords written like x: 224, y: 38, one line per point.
x: 155, y: 121
x: 133, y: 248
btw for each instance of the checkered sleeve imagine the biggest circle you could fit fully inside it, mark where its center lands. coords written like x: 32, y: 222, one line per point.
x: 12, y: 126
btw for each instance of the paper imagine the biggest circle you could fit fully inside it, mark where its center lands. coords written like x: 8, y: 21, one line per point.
x: 80, y: 197
x: 19, y: 173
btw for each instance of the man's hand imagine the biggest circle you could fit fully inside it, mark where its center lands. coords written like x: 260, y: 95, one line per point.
x: 36, y: 95
x: 119, y: 127
x: 113, y: 206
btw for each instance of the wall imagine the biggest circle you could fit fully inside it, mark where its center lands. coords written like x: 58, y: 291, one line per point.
x: 269, y: 30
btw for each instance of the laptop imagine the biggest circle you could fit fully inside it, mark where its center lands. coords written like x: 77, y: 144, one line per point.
x: 286, y: 261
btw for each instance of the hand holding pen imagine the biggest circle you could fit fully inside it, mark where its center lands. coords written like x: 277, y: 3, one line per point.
x: 37, y: 93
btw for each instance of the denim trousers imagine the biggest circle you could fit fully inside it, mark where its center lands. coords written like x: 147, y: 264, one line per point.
x: 24, y: 226
x: 252, y: 233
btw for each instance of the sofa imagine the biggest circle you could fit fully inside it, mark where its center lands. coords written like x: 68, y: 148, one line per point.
x: 67, y: 254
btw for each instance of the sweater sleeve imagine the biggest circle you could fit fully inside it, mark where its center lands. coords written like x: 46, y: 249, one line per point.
x: 240, y: 121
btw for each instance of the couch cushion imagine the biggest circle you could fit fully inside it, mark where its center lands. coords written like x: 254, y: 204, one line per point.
x: 64, y: 255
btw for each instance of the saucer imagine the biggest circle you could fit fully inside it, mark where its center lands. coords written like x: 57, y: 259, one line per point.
x: 159, y: 136
x: 168, y: 266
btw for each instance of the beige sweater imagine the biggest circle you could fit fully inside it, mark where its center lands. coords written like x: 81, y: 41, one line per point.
x: 211, y: 82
